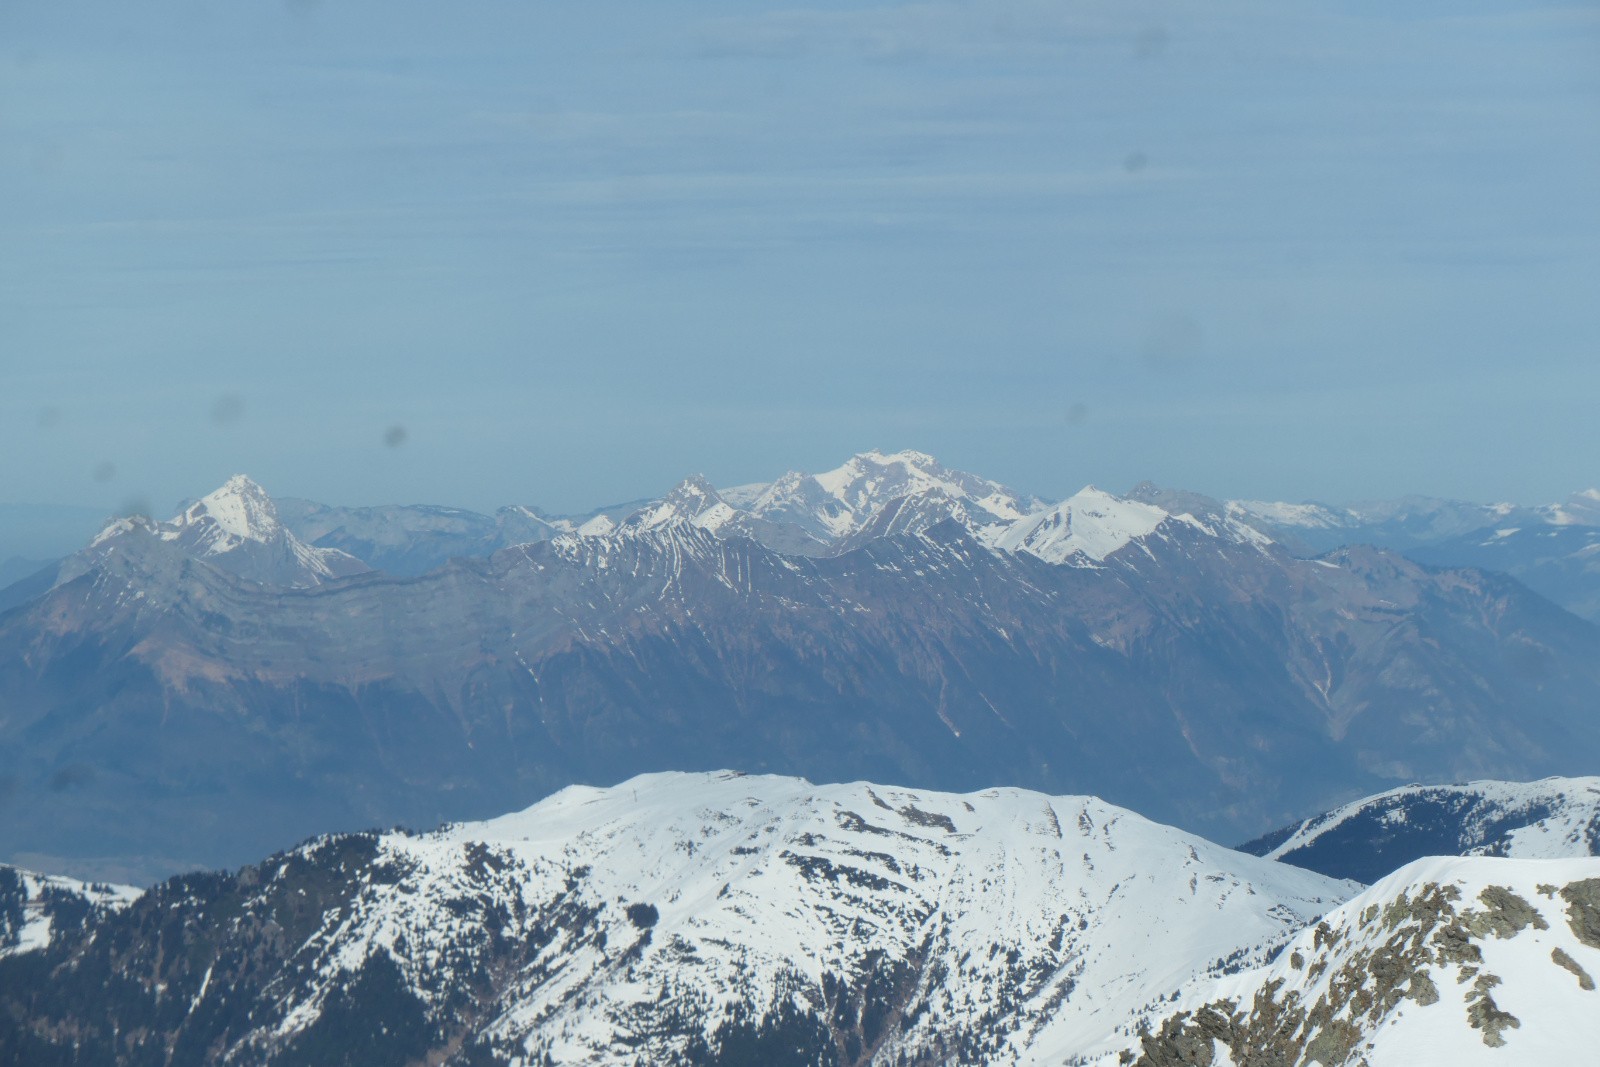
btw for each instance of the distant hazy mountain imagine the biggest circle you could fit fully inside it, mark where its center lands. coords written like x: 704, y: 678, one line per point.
x: 1447, y: 961
x: 235, y: 528
x: 673, y: 920
x: 408, y: 540
x: 1554, y: 550
x: 1553, y: 818
x: 1180, y: 663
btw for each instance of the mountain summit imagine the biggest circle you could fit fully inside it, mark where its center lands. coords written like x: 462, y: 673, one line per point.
x: 837, y: 503
x: 236, y: 527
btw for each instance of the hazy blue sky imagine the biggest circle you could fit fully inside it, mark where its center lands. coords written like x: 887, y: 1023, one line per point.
x: 578, y: 250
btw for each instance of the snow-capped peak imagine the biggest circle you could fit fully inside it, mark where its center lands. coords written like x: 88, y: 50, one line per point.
x: 1089, y: 525
x: 838, y: 502
x: 693, y: 500
x: 239, y: 507
x: 237, y: 528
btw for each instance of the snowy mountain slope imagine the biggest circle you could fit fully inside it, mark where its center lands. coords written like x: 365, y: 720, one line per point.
x: 236, y: 527
x: 836, y: 503
x: 1459, y: 961
x: 696, y: 502
x: 1552, y: 818
x: 690, y: 919
x: 1088, y: 527
x: 38, y: 908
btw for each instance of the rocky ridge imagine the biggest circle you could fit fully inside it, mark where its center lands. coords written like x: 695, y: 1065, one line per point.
x: 1464, y: 961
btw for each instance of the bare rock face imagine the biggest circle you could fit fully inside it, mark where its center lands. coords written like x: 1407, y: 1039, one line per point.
x: 1583, y: 910
x: 1461, y: 957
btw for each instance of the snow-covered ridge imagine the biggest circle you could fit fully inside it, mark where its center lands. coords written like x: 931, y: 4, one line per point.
x: 1089, y: 525
x: 29, y: 903
x: 1448, y: 960
x: 1425, y: 516
x: 1023, y: 920
x: 878, y: 494
x: 1547, y: 819
x: 1295, y: 515
x: 838, y: 502
x: 871, y: 495
x: 239, y: 508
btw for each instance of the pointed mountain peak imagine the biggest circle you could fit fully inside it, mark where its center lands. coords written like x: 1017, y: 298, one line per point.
x: 875, y: 467
x: 1087, y: 526
x: 240, y: 507
x: 694, y: 489
x: 692, y: 500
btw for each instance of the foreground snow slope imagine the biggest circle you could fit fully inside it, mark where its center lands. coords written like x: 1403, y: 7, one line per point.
x: 683, y: 919
x: 1066, y: 911
x: 1458, y: 961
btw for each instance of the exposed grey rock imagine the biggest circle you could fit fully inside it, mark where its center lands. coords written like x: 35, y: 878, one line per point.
x: 1583, y: 910
x: 1561, y: 958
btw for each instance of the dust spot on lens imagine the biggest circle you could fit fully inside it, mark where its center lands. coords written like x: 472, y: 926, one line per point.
x: 394, y: 436
x: 49, y: 417
x: 71, y: 776
x: 104, y: 471
x: 1077, y: 414
x: 228, y: 408
x: 135, y: 507
x: 1134, y: 162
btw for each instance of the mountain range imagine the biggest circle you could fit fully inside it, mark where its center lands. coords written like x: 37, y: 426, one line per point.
x: 201, y: 691
x: 698, y: 919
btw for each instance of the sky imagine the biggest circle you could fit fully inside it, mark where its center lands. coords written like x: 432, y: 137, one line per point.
x: 566, y: 254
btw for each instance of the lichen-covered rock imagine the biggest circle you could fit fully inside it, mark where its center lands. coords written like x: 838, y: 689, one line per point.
x: 1583, y: 910
x: 1561, y: 959
x: 1447, y: 960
